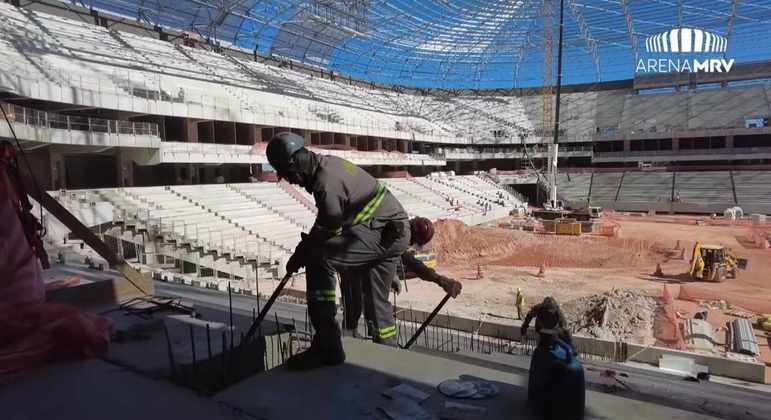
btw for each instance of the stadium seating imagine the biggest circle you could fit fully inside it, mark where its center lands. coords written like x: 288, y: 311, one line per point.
x: 262, y: 221
x: 604, y: 188
x: 646, y: 187
x: 417, y: 200
x: 753, y: 190
x: 573, y: 187
x: 711, y: 188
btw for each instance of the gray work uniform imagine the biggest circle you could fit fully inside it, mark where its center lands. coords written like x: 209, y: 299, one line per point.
x: 365, y: 231
x: 353, y: 293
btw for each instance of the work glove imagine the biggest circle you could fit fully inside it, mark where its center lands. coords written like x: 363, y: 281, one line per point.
x: 297, y: 260
x: 450, y: 286
x: 396, y: 285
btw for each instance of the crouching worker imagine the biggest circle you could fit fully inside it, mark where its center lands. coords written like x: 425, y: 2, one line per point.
x: 549, y: 322
x: 556, y: 384
x: 421, y: 232
x: 361, y: 230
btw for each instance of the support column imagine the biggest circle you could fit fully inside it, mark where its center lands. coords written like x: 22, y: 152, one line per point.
x: 125, y: 170
x: 267, y: 133
x: 58, y: 169
x: 675, y: 144
x: 253, y: 135
x: 729, y: 141
x: 342, y: 139
x: 627, y: 145
x: 257, y: 136
x: 191, y: 131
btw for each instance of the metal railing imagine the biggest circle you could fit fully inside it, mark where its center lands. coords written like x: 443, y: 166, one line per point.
x: 682, y: 152
x: 33, y: 117
x: 393, y: 158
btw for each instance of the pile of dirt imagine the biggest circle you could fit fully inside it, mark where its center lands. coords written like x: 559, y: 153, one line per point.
x: 456, y: 243
x: 619, y: 314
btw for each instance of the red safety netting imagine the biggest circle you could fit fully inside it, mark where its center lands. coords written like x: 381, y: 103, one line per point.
x: 32, y: 331
x: 34, y: 334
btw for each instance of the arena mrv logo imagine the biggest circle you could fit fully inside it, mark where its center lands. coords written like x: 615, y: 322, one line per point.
x: 705, y: 52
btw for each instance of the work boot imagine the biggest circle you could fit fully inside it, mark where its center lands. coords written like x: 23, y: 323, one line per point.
x: 390, y: 342
x: 328, y: 352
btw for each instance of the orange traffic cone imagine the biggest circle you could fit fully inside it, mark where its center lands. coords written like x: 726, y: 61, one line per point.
x: 658, y: 272
x: 541, y: 270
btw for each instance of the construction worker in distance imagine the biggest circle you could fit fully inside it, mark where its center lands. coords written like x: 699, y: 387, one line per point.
x: 421, y: 233
x: 549, y: 322
x: 361, y: 230
x: 520, y: 302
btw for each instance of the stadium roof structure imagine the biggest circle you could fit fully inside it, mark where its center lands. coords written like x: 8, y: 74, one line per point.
x: 477, y: 44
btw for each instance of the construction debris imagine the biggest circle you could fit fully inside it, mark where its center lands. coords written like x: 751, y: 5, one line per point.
x: 619, y: 314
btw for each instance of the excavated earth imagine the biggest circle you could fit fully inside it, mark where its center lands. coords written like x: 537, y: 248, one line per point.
x: 618, y: 314
x: 455, y: 242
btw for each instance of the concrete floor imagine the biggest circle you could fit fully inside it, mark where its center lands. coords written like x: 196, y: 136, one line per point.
x: 353, y: 390
x: 97, y: 390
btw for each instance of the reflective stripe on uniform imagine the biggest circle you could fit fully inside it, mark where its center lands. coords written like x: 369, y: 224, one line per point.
x: 387, y: 332
x: 322, y: 295
x: 333, y: 232
x: 368, y: 210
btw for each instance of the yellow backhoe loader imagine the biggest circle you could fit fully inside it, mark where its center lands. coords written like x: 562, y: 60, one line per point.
x: 714, y: 263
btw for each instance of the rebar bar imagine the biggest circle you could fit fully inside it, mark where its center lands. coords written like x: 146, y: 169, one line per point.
x: 172, y: 364
x: 208, y: 340
x: 230, y: 311
x: 195, y: 360
x: 224, y: 355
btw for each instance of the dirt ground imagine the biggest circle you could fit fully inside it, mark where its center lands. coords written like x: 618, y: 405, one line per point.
x: 578, y: 267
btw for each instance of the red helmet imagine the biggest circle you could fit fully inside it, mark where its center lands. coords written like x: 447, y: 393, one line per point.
x: 422, y: 230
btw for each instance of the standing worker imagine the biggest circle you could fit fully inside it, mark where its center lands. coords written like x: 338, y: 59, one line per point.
x: 361, y: 231
x: 421, y: 233
x: 520, y: 303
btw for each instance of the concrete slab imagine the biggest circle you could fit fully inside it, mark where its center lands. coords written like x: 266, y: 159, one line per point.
x: 87, y: 275
x: 353, y: 390
x: 97, y: 390
x: 145, y: 347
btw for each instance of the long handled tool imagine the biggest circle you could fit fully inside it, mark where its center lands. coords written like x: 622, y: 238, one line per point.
x: 427, y: 321
x: 266, y: 308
